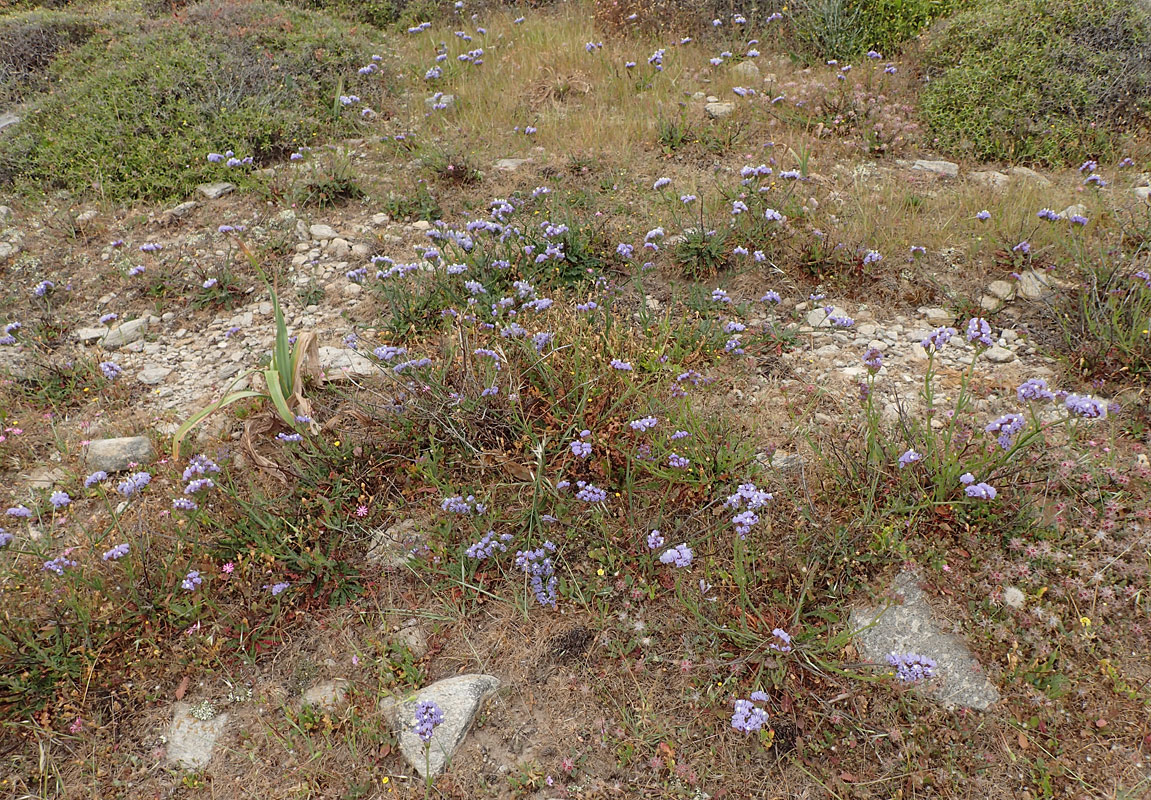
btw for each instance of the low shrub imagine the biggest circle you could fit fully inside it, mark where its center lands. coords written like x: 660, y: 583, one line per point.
x: 137, y: 109
x: 28, y: 44
x: 1050, y: 81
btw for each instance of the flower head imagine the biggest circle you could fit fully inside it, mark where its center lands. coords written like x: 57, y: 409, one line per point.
x: 428, y: 716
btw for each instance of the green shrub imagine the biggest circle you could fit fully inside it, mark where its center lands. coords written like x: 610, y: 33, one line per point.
x: 28, y: 44
x: 136, y: 110
x: 848, y: 28
x: 1051, y: 81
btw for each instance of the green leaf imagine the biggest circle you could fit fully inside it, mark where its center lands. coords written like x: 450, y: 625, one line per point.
x: 204, y: 413
x: 275, y: 392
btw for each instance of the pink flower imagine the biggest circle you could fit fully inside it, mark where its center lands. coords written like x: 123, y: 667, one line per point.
x: 228, y: 568
x: 76, y: 726
x: 361, y: 511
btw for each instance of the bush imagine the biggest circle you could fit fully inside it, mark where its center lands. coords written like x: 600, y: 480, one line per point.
x: 1051, y: 81
x: 849, y: 28
x: 28, y: 44
x: 136, y: 110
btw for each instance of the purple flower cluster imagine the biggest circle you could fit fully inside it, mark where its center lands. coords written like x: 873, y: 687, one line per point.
x: 191, y: 581
x: 911, y: 667
x: 58, y: 565
x: 538, y: 566
x: 1006, y: 427
x: 487, y: 546
x: 465, y: 506
x: 751, y: 499
x: 748, y: 717
x: 133, y: 483
x: 782, y: 641
x: 117, y: 552
x: 19, y: 511
x: 111, y: 370
x: 908, y: 457
x: 1085, y: 407
x: 1034, y: 389
x: 677, y: 461
x: 428, y: 716
x: 59, y: 500
x: 873, y: 360
x: 94, y: 478
x: 655, y: 540
x: 979, y: 491
x: 979, y: 332
x: 937, y: 339
x: 679, y: 556
x: 590, y: 493
x: 644, y: 423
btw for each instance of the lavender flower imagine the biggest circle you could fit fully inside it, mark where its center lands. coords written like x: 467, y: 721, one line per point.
x: 191, y: 581
x: 133, y: 483
x: 59, y: 500
x: 771, y: 297
x: 58, y: 565
x: 94, y: 478
x: 5, y: 538
x: 782, y: 643
x: 184, y: 504
x: 937, y: 339
x: 537, y: 564
x: 623, y: 366
x: 1085, y: 407
x: 488, y: 545
x: 978, y: 330
x: 1048, y: 214
x: 42, y: 288
x: 912, y: 667
x: 117, y: 552
x: 873, y: 360
x: 771, y: 215
x: 590, y: 493
x: 983, y: 215
x: 909, y: 457
x: 980, y: 491
x: 872, y: 257
x: 1034, y: 389
x: 465, y: 506
x: 289, y: 437
x: 748, y: 718
x: 277, y: 588
x: 655, y: 540
x: 644, y: 423
x: 1023, y: 247
x: 677, y: 461
x: 720, y: 296
x: 111, y: 370
x: 199, y: 485
x: 751, y: 499
x: 581, y: 449
x: 200, y: 464
x: 428, y: 716
x: 1006, y: 427
x: 679, y: 556
x: 19, y: 511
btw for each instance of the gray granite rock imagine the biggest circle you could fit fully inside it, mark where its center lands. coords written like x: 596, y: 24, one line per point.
x: 191, y: 741
x: 214, y: 191
x: 911, y: 627
x: 327, y: 695
x: 718, y: 110
x: 115, y: 455
x: 460, y: 699
x: 130, y: 331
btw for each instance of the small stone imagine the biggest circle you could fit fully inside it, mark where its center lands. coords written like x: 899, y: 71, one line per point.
x: 130, y: 331
x: 8, y: 118
x: 421, y: 225
x: 5, y: 214
x: 214, y: 191
x: 996, y: 181
x: 1013, y: 597
x: 1001, y: 289
x: 1028, y: 174
x: 8, y: 249
x: 84, y: 217
x: 947, y: 169
x: 180, y: 211
x: 150, y: 376
x: 1035, y: 285
x: 1142, y: 193
x: 191, y: 741
x: 353, y: 290
x: 938, y: 316
x: 510, y: 164
x: 719, y: 110
x: 115, y: 455
x: 990, y: 303
x: 999, y: 355
x: 392, y: 545
x: 86, y: 335
x: 447, y: 100
x: 327, y: 695
x: 460, y: 699
x: 44, y: 477
x: 338, y: 247
x: 818, y: 317
x: 1076, y: 210
x: 321, y: 232
x: 697, y: 96
x: 785, y: 462
x: 339, y: 363
x: 379, y: 220
x: 746, y: 71
x: 414, y: 639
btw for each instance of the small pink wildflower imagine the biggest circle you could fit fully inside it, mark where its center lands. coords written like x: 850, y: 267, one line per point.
x: 228, y: 568
x: 361, y: 511
x: 76, y: 726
